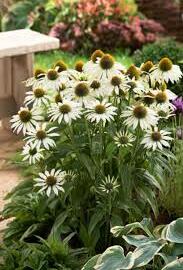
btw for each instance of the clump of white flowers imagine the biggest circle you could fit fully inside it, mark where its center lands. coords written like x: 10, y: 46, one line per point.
x: 130, y: 106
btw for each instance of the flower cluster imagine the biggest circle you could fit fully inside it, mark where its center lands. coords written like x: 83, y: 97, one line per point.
x: 103, y: 23
x: 126, y: 108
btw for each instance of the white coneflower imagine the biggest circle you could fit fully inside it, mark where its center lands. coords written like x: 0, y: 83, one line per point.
x: 25, y: 120
x: 133, y: 72
x: 165, y: 71
x: 58, y: 97
x: 37, y: 97
x: 105, y: 68
x: 123, y: 139
x: 117, y: 84
x: 164, y: 110
x: 98, y: 89
x: 60, y: 66
x: 81, y: 93
x: 148, y: 98
x: 90, y: 65
x: 53, y: 80
x: 32, y: 154
x: 101, y: 111
x: 163, y: 96
x: 146, y: 67
x: 64, y: 90
x: 41, y: 137
x: 70, y: 176
x: 65, y: 111
x: 140, y: 115
x: 156, y: 139
x: 37, y: 79
x: 50, y: 182
x: 139, y: 87
x: 109, y: 185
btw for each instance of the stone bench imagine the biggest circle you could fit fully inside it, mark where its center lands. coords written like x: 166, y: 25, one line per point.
x: 17, y: 49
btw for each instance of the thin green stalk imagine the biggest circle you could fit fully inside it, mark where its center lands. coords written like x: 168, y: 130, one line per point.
x: 89, y: 135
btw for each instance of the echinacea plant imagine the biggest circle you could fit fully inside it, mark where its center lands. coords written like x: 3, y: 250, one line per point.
x: 100, y: 142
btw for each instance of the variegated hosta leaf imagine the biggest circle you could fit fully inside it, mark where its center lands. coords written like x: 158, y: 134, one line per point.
x: 175, y: 265
x: 114, y: 258
x: 174, y: 231
x: 91, y: 263
x: 146, y: 252
x: 145, y: 225
x: 137, y: 240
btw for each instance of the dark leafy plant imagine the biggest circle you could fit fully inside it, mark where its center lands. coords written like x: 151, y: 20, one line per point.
x: 48, y: 254
x: 132, y: 34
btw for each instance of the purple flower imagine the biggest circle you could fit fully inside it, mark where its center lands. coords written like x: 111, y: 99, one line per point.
x: 178, y: 103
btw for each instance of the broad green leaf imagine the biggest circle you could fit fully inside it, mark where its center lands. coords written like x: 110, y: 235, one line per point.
x: 124, y: 230
x: 136, y: 240
x: 174, y: 232
x: 177, y: 249
x: 175, y: 265
x: 91, y: 263
x: 146, y: 252
x: 114, y: 258
x: 163, y: 233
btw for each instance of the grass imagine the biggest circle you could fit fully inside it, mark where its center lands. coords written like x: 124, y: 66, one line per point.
x: 45, y: 60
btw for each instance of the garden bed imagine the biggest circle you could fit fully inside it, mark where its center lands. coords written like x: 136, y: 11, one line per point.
x: 99, y: 161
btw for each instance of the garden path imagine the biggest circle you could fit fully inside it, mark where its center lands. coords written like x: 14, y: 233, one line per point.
x: 9, y: 175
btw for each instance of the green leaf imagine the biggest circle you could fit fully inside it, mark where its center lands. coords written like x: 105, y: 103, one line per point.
x: 91, y: 263
x: 95, y: 219
x: 88, y: 164
x: 175, y: 265
x: 151, y: 180
x: 110, y: 150
x: 146, y: 252
x: 174, y: 232
x: 114, y: 258
x: 30, y: 230
x: 177, y: 249
x: 148, y: 195
x: 124, y: 230
x: 83, y: 233
x: 57, y: 226
x: 136, y: 240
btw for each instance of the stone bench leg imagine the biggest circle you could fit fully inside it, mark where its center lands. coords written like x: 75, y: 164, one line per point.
x: 13, y: 71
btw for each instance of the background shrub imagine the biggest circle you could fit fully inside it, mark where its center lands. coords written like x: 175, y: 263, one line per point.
x: 84, y: 26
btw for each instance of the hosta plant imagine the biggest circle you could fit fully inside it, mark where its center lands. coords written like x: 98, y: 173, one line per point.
x: 160, y: 248
x: 99, y: 143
